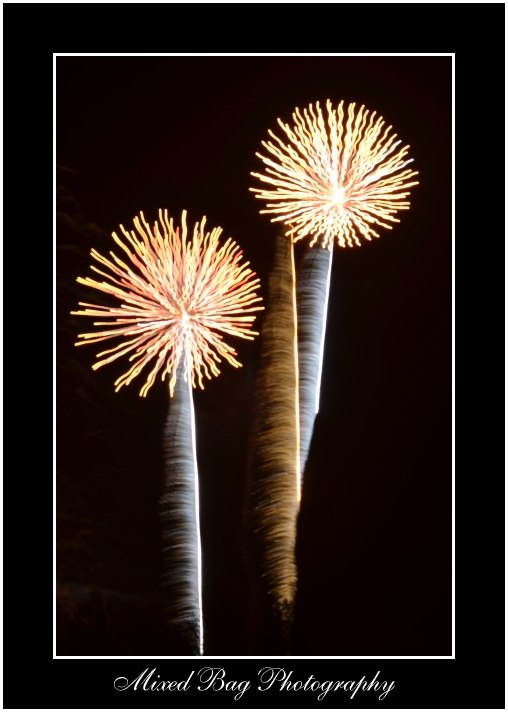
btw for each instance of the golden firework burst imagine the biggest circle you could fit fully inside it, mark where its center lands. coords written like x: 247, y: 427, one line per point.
x: 178, y: 297
x: 335, y: 179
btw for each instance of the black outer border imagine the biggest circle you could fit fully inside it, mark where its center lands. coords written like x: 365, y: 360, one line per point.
x: 475, y: 33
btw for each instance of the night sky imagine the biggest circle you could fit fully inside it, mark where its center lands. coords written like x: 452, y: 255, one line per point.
x: 374, y: 534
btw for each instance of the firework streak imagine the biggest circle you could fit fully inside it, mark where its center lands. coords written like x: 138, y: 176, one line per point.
x: 313, y: 288
x: 178, y: 297
x: 273, y: 471
x: 336, y: 179
x: 332, y: 178
x: 179, y: 515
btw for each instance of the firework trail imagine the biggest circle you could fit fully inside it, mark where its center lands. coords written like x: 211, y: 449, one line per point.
x: 177, y: 299
x: 180, y: 529
x: 333, y: 178
x: 273, y: 468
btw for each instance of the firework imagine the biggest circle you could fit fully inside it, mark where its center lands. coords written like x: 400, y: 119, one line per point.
x: 178, y: 297
x: 338, y: 178
x: 333, y: 180
x: 273, y: 467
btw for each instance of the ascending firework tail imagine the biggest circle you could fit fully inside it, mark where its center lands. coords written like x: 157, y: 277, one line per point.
x: 273, y: 489
x: 179, y: 515
x: 313, y: 287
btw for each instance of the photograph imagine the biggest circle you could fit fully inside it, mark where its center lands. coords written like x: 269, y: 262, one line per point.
x: 253, y: 355
x: 254, y: 474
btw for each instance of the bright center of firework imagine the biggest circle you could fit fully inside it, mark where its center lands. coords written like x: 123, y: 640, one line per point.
x: 338, y: 195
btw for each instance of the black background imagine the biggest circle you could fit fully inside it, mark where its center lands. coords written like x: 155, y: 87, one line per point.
x: 375, y: 529
x: 374, y: 542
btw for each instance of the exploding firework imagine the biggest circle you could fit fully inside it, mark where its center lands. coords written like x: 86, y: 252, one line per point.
x: 335, y: 179
x: 332, y: 180
x: 178, y: 297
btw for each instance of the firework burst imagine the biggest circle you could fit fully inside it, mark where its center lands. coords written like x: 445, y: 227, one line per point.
x: 339, y: 178
x: 334, y: 178
x: 178, y: 297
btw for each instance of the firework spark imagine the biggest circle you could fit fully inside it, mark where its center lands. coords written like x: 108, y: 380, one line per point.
x: 336, y: 179
x: 178, y: 297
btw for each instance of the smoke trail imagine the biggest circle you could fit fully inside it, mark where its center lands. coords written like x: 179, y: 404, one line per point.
x: 272, y: 501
